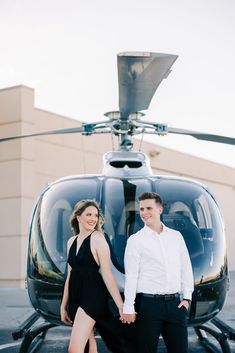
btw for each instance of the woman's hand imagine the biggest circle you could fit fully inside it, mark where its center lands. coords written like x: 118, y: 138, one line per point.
x: 65, y: 317
x: 120, y: 309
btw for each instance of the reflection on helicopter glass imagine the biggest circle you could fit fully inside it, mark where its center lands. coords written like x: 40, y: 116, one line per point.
x: 196, y: 215
x: 51, y: 227
x: 188, y: 208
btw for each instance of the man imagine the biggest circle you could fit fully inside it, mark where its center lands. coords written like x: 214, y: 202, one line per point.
x: 158, y: 273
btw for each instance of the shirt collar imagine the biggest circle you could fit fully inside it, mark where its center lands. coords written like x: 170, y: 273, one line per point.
x: 148, y: 230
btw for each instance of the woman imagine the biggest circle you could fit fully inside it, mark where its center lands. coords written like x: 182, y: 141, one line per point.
x: 89, y: 277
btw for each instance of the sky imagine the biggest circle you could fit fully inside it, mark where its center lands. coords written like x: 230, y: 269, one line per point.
x: 66, y: 50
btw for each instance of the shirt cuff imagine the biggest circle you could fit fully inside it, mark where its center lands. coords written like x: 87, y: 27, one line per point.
x: 187, y: 295
x: 128, y: 309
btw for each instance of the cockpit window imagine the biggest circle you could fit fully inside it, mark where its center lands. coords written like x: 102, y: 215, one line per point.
x: 188, y: 208
x: 52, y: 222
x: 191, y: 210
x: 203, y: 212
x: 121, y: 210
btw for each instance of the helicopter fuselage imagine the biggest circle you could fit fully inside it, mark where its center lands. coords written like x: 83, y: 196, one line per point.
x: 189, y: 207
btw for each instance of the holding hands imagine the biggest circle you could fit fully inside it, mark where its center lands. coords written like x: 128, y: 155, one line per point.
x: 127, y: 318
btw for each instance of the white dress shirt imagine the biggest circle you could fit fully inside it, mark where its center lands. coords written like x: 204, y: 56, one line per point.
x: 156, y: 264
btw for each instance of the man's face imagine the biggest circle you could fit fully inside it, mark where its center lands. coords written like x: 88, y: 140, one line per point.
x: 150, y: 212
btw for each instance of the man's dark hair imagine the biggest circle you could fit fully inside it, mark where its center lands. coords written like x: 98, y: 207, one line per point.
x: 151, y: 196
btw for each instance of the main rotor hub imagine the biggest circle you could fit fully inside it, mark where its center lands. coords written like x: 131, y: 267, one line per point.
x: 116, y: 115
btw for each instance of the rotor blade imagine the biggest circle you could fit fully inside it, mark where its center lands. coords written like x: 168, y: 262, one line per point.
x: 203, y: 136
x: 139, y: 75
x: 52, y: 132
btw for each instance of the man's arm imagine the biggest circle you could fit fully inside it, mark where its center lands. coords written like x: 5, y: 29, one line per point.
x: 132, y: 263
x: 187, y: 281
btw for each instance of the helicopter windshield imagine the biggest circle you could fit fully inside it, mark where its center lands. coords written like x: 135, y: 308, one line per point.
x: 188, y: 208
x: 121, y: 211
x: 51, y: 228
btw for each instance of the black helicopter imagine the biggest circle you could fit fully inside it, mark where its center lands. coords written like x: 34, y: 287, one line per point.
x: 189, y: 207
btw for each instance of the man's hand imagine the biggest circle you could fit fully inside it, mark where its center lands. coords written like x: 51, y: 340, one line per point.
x: 184, y: 303
x: 128, y: 318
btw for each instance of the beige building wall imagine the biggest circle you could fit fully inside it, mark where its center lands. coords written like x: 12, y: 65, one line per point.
x: 27, y: 165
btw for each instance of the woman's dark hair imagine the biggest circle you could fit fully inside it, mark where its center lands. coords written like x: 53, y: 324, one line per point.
x: 79, y: 208
x: 151, y: 196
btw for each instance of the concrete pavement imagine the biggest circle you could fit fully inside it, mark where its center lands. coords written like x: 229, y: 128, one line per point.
x: 15, y: 308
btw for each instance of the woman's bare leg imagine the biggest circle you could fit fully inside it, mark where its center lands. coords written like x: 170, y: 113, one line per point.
x: 82, y: 328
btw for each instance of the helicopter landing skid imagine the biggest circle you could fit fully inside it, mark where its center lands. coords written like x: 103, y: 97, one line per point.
x: 220, y: 331
x: 32, y: 337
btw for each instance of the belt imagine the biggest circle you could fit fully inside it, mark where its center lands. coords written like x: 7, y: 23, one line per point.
x: 160, y: 296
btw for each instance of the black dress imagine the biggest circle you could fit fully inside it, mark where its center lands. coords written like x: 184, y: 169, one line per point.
x: 86, y: 286
x: 88, y: 291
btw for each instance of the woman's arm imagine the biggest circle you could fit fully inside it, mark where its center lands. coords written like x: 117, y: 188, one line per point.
x: 63, y: 307
x: 103, y: 255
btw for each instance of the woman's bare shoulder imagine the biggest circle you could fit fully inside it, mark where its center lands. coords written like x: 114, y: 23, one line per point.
x: 98, y: 236
x: 70, y: 241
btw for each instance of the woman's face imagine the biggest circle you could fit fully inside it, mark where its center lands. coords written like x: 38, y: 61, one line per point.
x: 89, y: 218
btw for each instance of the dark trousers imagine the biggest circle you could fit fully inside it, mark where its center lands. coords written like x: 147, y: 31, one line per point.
x: 157, y: 316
